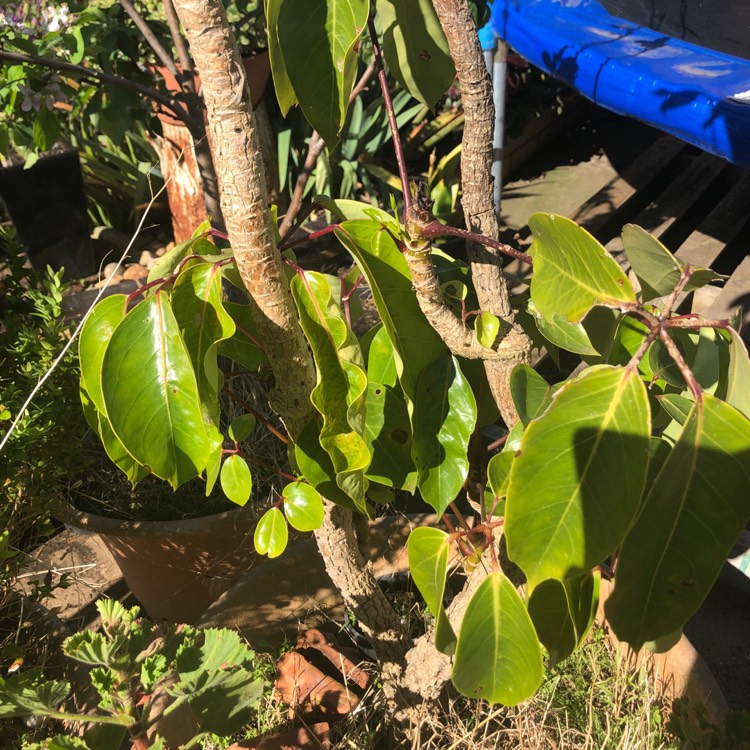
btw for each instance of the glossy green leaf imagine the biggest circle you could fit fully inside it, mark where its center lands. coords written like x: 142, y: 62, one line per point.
x: 284, y: 91
x: 303, y: 506
x: 340, y: 395
x: 242, y: 427
x: 657, y: 270
x: 738, y: 380
x: 498, y: 473
x: 696, y: 508
x: 678, y: 407
x: 236, y: 480
x: 244, y: 346
x: 445, y: 413
x: 93, y: 341
x: 197, y: 303
x: 113, y: 447
x: 151, y: 394
x: 271, y: 533
x: 318, y: 42
x: 498, y: 657
x: 487, y: 327
x: 577, y: 482
x: 572, y: 271
x: 530, y: 392
x: 388, y: 434
x: 166, y: 265
x: 415, y: 342
x: 415, y: 48
x: 315, y: 465
x: 351, y: 210
x: 428, y: 550
x: 563, y: 612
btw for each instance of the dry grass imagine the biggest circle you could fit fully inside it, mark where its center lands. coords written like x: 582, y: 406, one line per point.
x: 592, y: 701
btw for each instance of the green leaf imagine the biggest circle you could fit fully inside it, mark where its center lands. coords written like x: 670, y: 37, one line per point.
x: 242, y: 427
x: 678, y: 407
x: 381, y: 359
x: 151, y: 394
x: 415, y: 48
x: 284, y: 91
x: 271, y: 533
x: 738, y: 381
x: 498, y: 657
x: 487, y: 327
x: 577, y: 483
x: 498, y: 474
x: 95, y: 336
x: 657, y: 270
x: 415, y: 342
x: 197, y: 305
x: 351, y: 210
x: 487, y: 410
x: 340, y: 395
x: 572, y: 271
x: 243, y: 347
x: 530, y: 392
x: 445, y: 413
x: 303, y: 506
x: 696, y: 508
x: 562, y: 613
x: 236, y: 480
x: 112, y: 445
x: 428, y: 550
x: 388, y: 434
x: 315, y: 465
x: 213, y: 468
x: 318, y: 42
x: 30, y: 693
x: 558, y: 331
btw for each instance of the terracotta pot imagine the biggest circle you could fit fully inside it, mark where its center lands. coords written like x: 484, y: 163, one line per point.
x: 176, y: 569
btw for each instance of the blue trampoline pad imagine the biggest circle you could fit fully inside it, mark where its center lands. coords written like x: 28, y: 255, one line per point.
x: 693, y: 92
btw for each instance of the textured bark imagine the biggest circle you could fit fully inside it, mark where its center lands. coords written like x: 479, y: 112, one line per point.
x: 476, y: 185
x: 351, y: 574
x: 244, y: 201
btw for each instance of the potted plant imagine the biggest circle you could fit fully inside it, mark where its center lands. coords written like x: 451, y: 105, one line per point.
x: 616, y: 471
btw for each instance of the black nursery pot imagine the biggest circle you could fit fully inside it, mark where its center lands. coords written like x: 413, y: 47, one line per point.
x: 47, y: 204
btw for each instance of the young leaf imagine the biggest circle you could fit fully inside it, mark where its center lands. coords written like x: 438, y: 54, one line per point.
x: 213, y: 468
x: 445, y: 413
x: 95, y: 336
x: 415, y: 48
x: 415, y: 341
x: 487, y: 327
x: 303, y: 506
x: 656, y: 269
x: 498, y: 656
x: 428, y: 550
x: 340, y: 395
x: 318, y: 42
x: 530, y: 392
x: 236, y: 480
x: 381, y: 359
x: 572, y: 271
x: 669, y: 561
x: 271, y: 533
x: 498, y: 474
x: 242, y: 427
x: 151, y: 394
x: 577, y: 482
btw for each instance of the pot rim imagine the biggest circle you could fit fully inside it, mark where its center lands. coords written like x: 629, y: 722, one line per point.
x: 119, y: 527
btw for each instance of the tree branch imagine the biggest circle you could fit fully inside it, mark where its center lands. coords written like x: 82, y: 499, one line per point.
x: 148, y: 34
x: 91, y: 73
